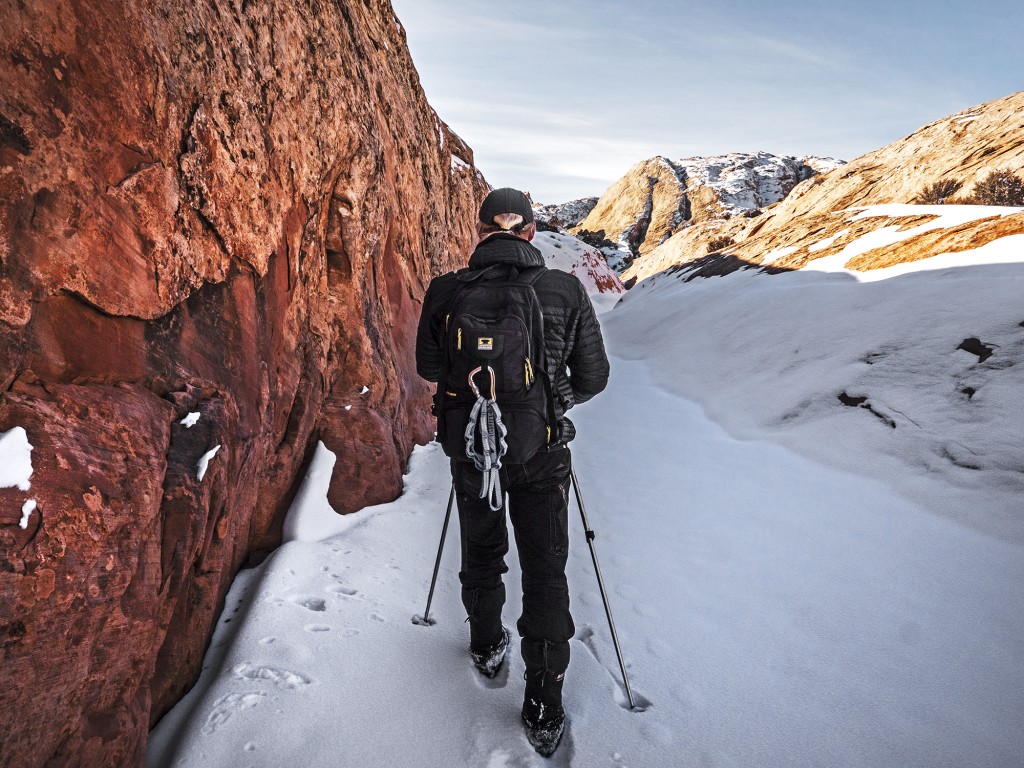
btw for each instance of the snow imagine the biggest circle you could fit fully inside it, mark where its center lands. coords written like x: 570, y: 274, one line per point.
x: 364, y: 390
x: 822, y: 164
x: 946, y: 216
x: 786, y: 346
x: 777, y: 253
x: 440, y: 131
x: 311, y: 517
x: 204, y: 462
x: 458, y: 164
x: 26, y: 513
x: 821, y: 245
x: 745, y: 181
x: 569, y: 254
x: 191, y: 420
x: 794, y: 582
x: 15, y: 459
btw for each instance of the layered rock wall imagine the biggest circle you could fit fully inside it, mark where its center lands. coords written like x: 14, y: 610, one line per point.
x: 228, y: 209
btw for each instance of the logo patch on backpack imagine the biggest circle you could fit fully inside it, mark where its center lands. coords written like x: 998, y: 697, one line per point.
x: 485, y: 344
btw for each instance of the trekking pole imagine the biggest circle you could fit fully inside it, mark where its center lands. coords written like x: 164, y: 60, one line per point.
x: 425, y: 620
x: 600, y: 583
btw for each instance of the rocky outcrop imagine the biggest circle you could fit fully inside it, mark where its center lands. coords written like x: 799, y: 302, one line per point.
x: 565, y: 252
x: 564, y: 215
x: 229, y: 210
x: 659, y: 197
x: 816, y: 221
x: 640, y: 210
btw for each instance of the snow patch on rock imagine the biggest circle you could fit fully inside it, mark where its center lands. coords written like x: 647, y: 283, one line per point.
x: 743, y: 181
x: 26, y: 513
x: 946, y: 216
x: 15, y: 459
x: 569, y: 254
x: 204, y: 462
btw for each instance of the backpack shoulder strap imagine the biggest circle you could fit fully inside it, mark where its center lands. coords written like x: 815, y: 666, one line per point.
x: 531, y: 275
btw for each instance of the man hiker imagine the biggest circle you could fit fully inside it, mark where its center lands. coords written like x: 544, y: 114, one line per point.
x: 501, y: 404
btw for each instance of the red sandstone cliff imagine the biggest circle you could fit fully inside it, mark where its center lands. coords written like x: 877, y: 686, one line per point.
x: 229, y: 208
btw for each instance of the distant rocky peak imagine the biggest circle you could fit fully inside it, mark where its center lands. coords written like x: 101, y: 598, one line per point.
x: 660, y: 196
x: 565, y: 215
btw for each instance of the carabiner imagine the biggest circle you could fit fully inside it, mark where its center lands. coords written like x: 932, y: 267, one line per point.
x: 472, y: 384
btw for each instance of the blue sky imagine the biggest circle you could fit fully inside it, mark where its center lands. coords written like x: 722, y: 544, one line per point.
x: 561, y: 98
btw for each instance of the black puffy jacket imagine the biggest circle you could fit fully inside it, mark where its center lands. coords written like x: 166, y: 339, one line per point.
x: 573, y: 345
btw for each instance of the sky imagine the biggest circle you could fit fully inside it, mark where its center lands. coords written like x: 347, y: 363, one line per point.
x: 560, y: 99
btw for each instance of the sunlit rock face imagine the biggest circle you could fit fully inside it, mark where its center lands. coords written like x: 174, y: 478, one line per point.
x: 820, y: 217
x: 658, y: 197
x: 217, y: 222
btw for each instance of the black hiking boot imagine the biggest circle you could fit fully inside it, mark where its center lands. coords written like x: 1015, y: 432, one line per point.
x: 489, y: 658
x: 543, y: 714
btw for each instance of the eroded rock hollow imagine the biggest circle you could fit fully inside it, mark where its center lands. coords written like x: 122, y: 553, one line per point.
x: 228, y: 209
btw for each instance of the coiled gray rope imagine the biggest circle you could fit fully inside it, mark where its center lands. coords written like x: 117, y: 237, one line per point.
x: 485, y: 420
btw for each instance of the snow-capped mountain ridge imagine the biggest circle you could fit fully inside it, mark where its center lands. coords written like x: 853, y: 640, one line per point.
x: 565, y: 214
x: 745, y: 182
x: 660, y: 196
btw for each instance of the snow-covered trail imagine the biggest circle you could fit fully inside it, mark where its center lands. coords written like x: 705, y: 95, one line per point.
x: 773, y: 611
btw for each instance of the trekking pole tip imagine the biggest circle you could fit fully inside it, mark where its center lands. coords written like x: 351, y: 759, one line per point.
x: 420, y: 621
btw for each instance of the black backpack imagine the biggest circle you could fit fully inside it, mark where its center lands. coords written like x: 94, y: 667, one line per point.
x: 493, y: 346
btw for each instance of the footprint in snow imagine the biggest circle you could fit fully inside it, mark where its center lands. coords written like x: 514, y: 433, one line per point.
x: 226, y: 706
x: 282, y: 678
x: 311, y: 603
x: 343, y: 590
x: 317, y: 628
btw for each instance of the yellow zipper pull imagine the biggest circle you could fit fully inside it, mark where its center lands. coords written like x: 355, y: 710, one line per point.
x: 458, y: 344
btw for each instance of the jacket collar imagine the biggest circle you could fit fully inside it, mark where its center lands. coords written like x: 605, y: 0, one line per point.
x: 505, y: 249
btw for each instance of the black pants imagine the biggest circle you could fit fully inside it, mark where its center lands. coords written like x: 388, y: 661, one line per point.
x: 538, y: 505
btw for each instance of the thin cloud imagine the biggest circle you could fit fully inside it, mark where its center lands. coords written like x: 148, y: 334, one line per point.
x: 562, y: 98
x: 800, y: 54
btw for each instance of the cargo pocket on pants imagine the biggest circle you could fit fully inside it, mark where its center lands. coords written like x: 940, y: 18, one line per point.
x: 558, y: 520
